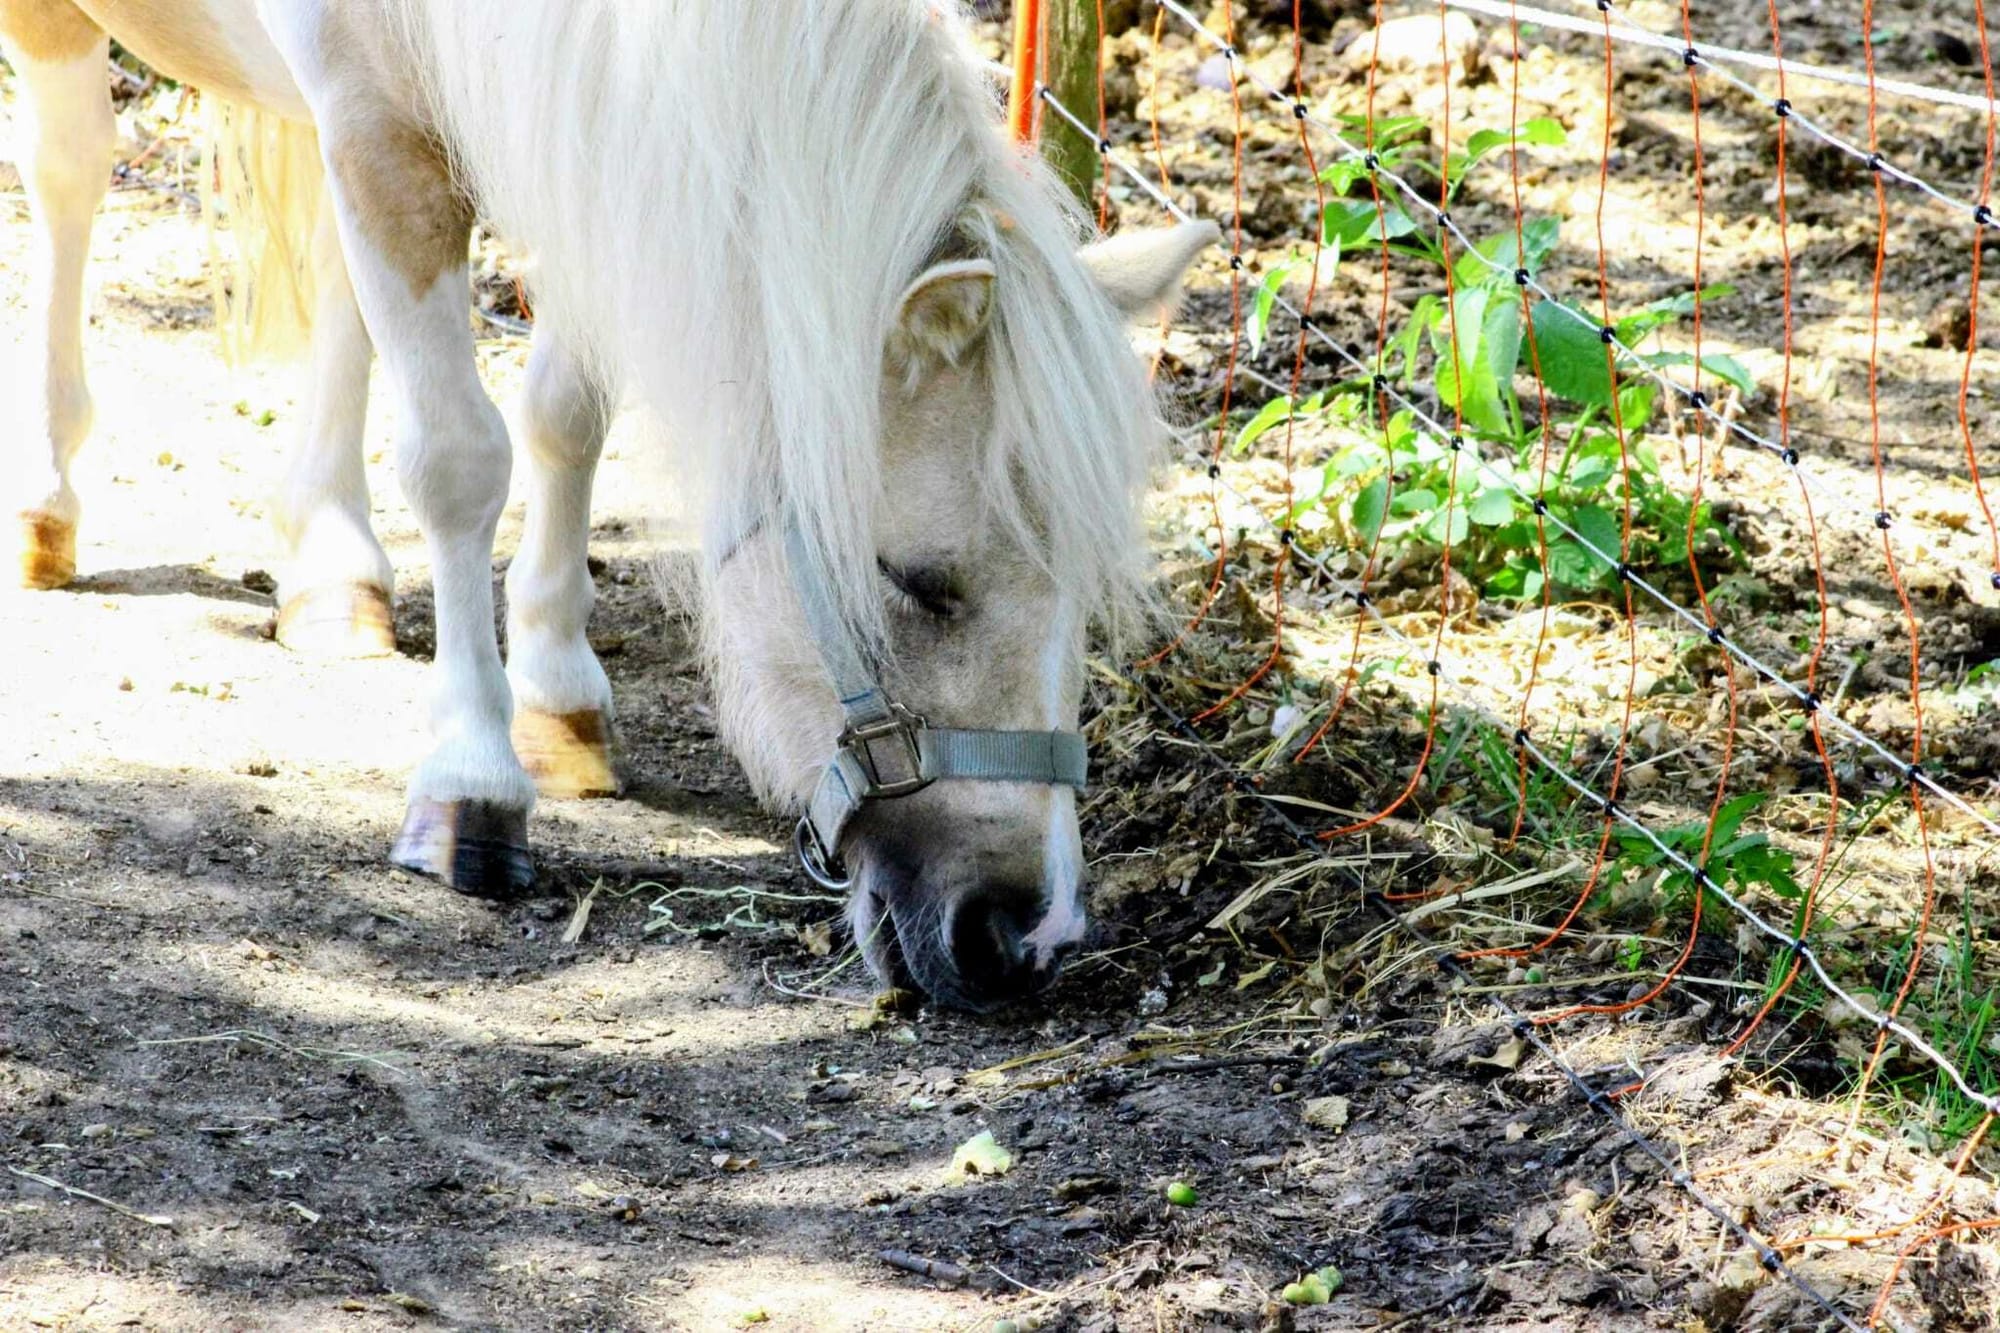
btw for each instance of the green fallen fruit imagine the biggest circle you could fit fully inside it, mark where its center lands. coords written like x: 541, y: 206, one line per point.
x: 1308, y: 1291
x: 1315, y: 1288
x: 1536, y: 976
x: 1006, y: 1326
x: 1181, y: 1195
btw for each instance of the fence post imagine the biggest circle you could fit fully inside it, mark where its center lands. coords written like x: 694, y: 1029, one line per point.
x: 1074, y: 45
x: 1021, y: 104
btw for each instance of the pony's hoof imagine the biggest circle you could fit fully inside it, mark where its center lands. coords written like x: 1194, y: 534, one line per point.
x: 342, y: 620
x: 475, y: 847
x: 567, y: 754
x: 48, y: 552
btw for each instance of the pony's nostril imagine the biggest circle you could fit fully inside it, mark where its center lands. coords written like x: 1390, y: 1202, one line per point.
x: 989, y: 945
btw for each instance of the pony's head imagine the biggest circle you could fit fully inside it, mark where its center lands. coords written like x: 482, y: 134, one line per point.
x: 1016, y: 428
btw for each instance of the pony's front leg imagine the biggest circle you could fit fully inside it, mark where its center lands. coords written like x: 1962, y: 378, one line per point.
x: 66, y: 137
x: 562, y: 699
x: 406, y: 230
x: 334, y: 591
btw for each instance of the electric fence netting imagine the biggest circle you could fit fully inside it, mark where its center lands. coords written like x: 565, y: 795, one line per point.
x: 1597, y: 478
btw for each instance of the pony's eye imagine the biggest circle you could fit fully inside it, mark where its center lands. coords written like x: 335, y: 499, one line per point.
x: 933, y: 590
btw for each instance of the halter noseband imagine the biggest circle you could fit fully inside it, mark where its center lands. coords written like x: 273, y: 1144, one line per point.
x: 885, y: 751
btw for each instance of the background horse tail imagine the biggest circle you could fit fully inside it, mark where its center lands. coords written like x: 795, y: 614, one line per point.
x: 264, y: 181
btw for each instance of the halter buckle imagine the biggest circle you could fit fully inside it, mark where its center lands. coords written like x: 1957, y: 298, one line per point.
x: 888, y: 753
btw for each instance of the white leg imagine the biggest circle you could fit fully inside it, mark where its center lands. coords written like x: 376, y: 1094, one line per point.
x: 405, y: 230
x: 67, y: 134
x: 335, y: 585
x: 562, y: 699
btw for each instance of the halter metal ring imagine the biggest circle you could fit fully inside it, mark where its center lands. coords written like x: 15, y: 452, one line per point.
x: 822, y: 867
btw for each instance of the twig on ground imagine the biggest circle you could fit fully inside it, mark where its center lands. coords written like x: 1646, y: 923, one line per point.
x: 70, y: 898
x: 150, y: 1219
x: 937, y: 1270
x: 1013, y: 1281
x: 821, y: 996
x: 240, y: 1036
x: 1222, y: 1062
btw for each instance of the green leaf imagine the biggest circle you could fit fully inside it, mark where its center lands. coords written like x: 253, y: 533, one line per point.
x: 1351, y: 222
x: 1370, y: 510
x: 1345, y: 174
x: 1667, y: 311
x: 1500, y: 335
x: 1461, y: 380
x: 1590, y: 473
x: 980, y: 1155
x: 1731, y: 371
x: 1422, y: 448
x: 1542, y: 131
x: 1311, y: 495
x: 1414, y: 500
x: 1572, y: 355
x: 1260, y: 311
x: 1273, y: 414
x: 1357, y: 460
x: 1486, y: 327
x: 1570, y: 565
x: 1725, y: 368
x: 1601, y: 528
x: 1635, y: 404
x: 1448, y: 523
x: 1424, y: 315
x: 1386, y: 129
x: 1638, y: 851
x: 1491, y: 508
x: 1519, y: 578
x: 1506, y: 252
x: 1733, y: 812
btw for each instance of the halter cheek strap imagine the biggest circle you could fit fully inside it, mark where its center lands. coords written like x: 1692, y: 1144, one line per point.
x: 885, y: 751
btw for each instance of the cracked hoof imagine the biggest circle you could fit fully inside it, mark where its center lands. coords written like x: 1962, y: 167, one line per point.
x: 567, y: 754
x: 475, y: 847
x: 344, y: 620
x: 48, y: 552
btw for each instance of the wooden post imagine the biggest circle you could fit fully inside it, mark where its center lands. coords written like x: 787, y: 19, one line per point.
x: 1074, y: 45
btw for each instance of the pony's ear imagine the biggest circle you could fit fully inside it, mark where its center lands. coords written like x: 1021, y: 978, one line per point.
x: 944, y: 314
x: 1141, y: 271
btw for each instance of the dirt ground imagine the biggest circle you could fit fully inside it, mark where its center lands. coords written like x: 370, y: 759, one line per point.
x: 250, y: 1078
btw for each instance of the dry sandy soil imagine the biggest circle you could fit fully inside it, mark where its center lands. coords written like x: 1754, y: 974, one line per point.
x: 251, y: 1078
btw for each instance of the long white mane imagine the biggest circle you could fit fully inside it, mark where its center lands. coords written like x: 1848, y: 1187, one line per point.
x: 726, y: 200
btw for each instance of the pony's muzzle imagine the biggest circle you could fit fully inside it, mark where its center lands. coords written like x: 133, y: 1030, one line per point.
x: 972, y: 932
x: 991, y: 952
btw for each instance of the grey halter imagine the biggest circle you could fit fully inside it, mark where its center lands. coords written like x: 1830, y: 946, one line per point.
x: 884, y: 750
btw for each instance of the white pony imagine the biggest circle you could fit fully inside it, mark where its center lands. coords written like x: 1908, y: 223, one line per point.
x: 793, y: 231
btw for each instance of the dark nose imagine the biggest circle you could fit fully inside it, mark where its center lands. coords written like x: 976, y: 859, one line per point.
x: 990, y: 950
